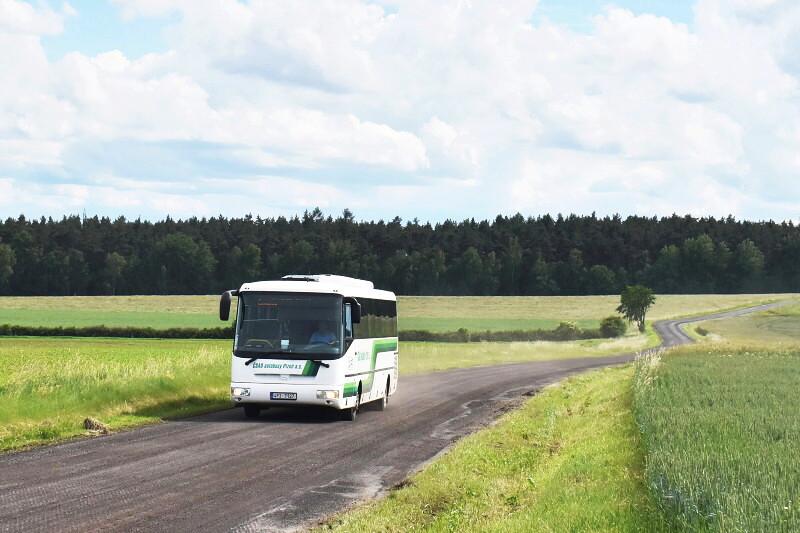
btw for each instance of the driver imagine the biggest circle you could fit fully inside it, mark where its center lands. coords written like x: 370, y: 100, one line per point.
x: 323, y: 335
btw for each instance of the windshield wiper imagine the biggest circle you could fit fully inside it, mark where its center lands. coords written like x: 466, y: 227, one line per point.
x: 326, y: 365
x: 264, y: 356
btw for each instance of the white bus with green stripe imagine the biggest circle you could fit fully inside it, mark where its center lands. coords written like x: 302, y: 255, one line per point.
x: 313, y: 340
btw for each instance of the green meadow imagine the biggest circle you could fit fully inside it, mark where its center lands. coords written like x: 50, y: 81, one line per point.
x: 776, y: 327
x: 703, y: 438
x: 160, y: 312
x: 48, y: 386
x: 432, y: 313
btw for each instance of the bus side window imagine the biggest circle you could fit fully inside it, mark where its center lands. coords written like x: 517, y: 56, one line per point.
x: 348, y: 321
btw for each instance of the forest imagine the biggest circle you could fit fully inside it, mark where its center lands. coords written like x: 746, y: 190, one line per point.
x: 516, y: 255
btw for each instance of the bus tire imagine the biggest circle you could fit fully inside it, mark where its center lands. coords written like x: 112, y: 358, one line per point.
x: 352, y: 413
x: 251, y: 410
x: 384, y: 402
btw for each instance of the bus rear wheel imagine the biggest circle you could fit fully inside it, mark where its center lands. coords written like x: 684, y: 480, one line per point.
x: 384, y: 402
x: 251, y: 411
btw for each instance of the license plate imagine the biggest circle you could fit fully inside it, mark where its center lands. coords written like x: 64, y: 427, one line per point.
x: 282, y: 395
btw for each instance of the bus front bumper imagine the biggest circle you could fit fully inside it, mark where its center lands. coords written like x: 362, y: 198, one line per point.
x: 268, y: 394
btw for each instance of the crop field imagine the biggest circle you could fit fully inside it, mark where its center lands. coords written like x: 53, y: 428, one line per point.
x: 722, y: 437
x: 439, y: 313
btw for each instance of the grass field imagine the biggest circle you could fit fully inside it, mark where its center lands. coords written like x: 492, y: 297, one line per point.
x: 445, y: 313
x: 421, y: 357
x: 719, y: 450
x: 715, y: 447
x: 722, y: 437
x: 568, y: 460
x: 780, y: 326
x: 123, y: 311
x: 49, y: 385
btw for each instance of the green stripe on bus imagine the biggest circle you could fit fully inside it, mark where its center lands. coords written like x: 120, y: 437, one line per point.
x: 378, y: 346
x: 311, y: 368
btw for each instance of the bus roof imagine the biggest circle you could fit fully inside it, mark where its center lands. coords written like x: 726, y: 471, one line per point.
x: 320, y: 283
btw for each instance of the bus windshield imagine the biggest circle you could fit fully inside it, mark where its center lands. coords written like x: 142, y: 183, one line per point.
x: 289, y: 325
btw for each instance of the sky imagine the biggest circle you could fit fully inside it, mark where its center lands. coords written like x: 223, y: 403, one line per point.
x: 429, y: 110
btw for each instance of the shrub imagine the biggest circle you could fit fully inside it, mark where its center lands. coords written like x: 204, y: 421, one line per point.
x: 701, y: 331
x: 567, y: 331
x: 129, y: 332
x: 613, y: 326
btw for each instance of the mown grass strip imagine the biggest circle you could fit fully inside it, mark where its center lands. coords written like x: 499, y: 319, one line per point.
x: 722, y: 435
x: 568, y: 460
x: 775, y: 327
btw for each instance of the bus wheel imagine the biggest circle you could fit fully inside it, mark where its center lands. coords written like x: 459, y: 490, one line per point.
x: 352, y: 413
x: 384, y: 402
x: 251, y: 411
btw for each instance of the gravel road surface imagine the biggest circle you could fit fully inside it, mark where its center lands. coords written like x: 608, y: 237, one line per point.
x: 281, y: 472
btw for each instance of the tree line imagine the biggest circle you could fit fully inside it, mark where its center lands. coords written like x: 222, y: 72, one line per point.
x: 516, y: 255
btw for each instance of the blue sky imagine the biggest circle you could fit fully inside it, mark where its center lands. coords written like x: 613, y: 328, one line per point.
x: 578, y: 14
x: 98, y: 26
x: 400, y: 107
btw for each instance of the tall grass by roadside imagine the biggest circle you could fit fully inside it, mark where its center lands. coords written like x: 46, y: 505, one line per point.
x: 722, y: 436
x: 49, y: 386
x: 568, y: 460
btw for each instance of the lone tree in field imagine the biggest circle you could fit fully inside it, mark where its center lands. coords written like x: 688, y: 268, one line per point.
x: 634, y: 303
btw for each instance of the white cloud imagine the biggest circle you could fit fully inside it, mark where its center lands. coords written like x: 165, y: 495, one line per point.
x: 6, y: 190
x: 410, y: 100
x: 21, y: 17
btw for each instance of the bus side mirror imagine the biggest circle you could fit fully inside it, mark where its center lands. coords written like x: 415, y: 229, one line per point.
x: 225, y: 306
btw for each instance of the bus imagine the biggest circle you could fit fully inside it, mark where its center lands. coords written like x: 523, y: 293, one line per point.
x: 319, y: 339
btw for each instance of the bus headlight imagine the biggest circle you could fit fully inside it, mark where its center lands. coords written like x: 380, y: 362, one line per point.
x: 240, y: 391
x: 327, y: 394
